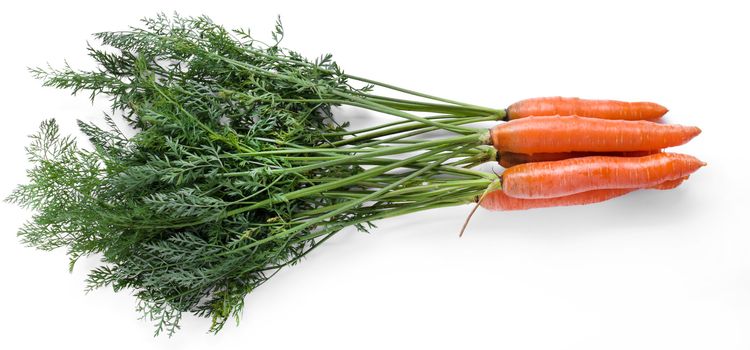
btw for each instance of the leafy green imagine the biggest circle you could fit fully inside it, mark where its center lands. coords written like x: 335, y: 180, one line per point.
x: 236, y: 169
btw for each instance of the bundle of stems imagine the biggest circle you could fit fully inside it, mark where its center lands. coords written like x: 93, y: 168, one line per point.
x: 236, y: 166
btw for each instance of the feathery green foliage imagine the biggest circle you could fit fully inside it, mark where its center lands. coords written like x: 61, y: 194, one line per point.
x: 237, y: 167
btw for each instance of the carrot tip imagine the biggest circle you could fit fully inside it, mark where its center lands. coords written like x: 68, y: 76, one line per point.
x: 662, y: 110
x: 695, y: 131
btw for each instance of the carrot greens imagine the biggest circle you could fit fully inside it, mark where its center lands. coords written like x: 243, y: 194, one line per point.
x: 236, y: 168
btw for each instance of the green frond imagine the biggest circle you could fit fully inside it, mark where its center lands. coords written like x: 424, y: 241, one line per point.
x: 218, y: 188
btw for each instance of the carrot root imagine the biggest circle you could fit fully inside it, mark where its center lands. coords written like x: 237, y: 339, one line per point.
x: 580, y: 134
x: 509, y: 159
x: 668, y: 185
x: 499, y: 200
x: 605, y: 109
x: 575, y: 175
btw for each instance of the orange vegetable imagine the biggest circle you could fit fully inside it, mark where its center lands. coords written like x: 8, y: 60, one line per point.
x: 575, y: 175
x: 605, y: 109
x: 668, y: 185
x: 509, y: 159
x: 580, y: 134
x: 498, y: 200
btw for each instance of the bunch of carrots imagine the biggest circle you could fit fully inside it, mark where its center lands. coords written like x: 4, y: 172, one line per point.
x: 234, y: 166
x: 569, y: 151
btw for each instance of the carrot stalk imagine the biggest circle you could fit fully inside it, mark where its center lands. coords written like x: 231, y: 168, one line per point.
x: 580, y: 134
x: 575, y: 175
x: 605, y: 109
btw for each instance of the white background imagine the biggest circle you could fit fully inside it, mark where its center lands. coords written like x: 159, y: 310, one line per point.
x: 652, y: 270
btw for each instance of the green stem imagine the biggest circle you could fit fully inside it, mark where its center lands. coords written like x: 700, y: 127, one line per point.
x: 386, y: 132
x: 407, y: 91
x: 358, y: 78
x: 404, y: 210
x: 473, y: 140
x: 426, y: 190
x: 388, y: 125
x: 371, y: 105
x: 340, y: 210
x: 420, y: 129
x: 352, y: 100
x: 417, y: 106
x: 347, y: 98
x: 336, y: 184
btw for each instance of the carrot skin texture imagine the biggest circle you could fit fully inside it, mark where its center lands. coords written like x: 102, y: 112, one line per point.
x: 575, y: 175
x: 509, y: 159
x: 580, y: 134
x: 605, y: 109
x: 668, y: 185
x: 499, y: 200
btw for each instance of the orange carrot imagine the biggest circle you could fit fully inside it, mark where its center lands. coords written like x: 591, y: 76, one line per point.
x: 605, y: 109
x: 671, y: 184
x: 498, y: 200
x: 509, y: 159
x: 575, y: 175
x: 579, y: 134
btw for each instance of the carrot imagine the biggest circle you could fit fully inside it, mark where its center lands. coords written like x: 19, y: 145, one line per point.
x: 499, y: 200
x: 575, y: 175
x: 605, y: 109
x: 668, y: 185
x: 509, y: 159
x: 580, y: 134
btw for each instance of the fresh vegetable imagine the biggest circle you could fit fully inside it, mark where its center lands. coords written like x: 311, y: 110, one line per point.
x: 238, y: 167
x: 580, y: 134
x: 575, y: 175
x: 500, y: 201
x: 671, y: 184
x: 605, y: 109
x: 509, y: 159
